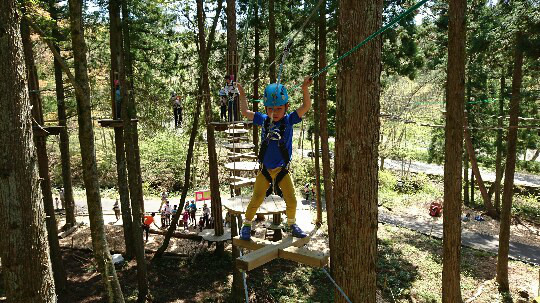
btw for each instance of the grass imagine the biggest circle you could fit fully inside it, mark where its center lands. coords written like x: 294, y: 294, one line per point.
x: 410, y: 269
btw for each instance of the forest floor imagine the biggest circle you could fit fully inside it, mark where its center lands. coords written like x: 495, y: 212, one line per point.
x: 409, y: 270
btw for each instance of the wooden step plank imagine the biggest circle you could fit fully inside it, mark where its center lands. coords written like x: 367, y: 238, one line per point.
x: 304, y: 256
x: 268, y: 253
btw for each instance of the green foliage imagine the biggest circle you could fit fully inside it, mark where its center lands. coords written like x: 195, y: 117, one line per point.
x: 163, y: 157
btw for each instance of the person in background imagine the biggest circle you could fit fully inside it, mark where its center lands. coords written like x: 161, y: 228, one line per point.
x: 206, y: 214
x: 147, y: 220
x: 192, y: 212
x: 232, y: 93
x: 116, y: 209
x: 56, y: 201
x: 167, y: 210
x: 223, y: 104
x: 117, y: 100
x: 185, y: 218
x: 62, y: 197
x: 174, y: 210
x: 177, y: 109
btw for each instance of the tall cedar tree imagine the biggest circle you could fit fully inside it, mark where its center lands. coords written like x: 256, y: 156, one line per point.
x: 59, y: 272
x: 504, y: 233
x: 115, y: 38
x: 455, y: 98
x: 357, y: 141
x: 65, y: 157
x: 131, y: 145
x: 323, y: 104
x: 316, y: 119
x: 23, y: 244
x: 256, y: 70
x: 90, y: 174
x: 204, y: 55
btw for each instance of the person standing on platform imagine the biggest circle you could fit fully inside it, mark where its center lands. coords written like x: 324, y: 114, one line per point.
x: 117, y: 100
x: 62, y: 197
x: 232, y: 93
x: 177, y: 109
x: 276, y: 151
x: 223, y: 105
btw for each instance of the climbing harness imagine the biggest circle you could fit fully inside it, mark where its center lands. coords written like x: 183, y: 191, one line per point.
x: 274, y: 135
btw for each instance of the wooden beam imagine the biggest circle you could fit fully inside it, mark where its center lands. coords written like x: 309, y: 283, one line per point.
x: 267, y: 253
x: 304, y: 256
x: 47, y: 130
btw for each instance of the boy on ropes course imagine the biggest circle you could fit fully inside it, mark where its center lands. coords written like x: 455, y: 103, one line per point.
x: 276, y: 151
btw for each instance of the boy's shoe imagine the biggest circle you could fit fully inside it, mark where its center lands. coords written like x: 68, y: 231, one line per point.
x: 297, y: 232
x: 245, y: 232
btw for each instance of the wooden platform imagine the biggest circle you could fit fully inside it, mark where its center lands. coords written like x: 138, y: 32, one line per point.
x: 238, y: 139
x: 238, y: 156
x: 239, y: 146
x: 236, y: 132
x: 209, y: 235
x: 288, y: 248
x: 238, y: 182
x: 47, y: 130
x: 114, y: 122
x: 272, y: 204
x: 242, y: 166
x: 222, y: 126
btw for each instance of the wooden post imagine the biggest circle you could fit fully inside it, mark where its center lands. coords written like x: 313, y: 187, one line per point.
x: 276, y: 222
x: 238, y: 285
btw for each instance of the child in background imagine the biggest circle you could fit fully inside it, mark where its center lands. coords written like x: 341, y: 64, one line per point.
x: 116, y: 209
x: 147, y: 220
x: 163, y: 218
x: 185, y: 218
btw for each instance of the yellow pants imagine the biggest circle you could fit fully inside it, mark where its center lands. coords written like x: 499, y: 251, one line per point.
x: 259, y: 193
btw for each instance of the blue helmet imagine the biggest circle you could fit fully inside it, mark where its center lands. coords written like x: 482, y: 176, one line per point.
x: 275, y: 95
x: 222, y: 92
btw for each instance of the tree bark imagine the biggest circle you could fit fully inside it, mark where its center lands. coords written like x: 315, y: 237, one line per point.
x: 316, y: 119
x: 65, y: 157
x: 128, y: 113
x: 499, y: 170
x: 453, y: 149
x: 323, y: 105
x: 23, y: 245
x: 466, y: 200
x: 204, y: 54
x: 256, y: 70
x: 123, y: 188
x: 504, y: 233
x: 113, y: 292
x: 357, y: 140
x: 272, y: 41
x: 59, y: 272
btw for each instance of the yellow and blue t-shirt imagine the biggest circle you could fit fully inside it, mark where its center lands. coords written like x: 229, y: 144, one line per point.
x: 273, y: 158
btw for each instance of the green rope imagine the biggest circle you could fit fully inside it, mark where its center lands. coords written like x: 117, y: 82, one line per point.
x: 369, y: 38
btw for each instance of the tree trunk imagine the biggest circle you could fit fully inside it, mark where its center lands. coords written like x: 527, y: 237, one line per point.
x: 357, y: 141
x: 499, y: 169
x: 272, y: 41
x: 123, y: 189
x: 323, y: 105
x: 504, y: 233
x: 62, y: 121
x: 128, y: 113
x: 113, y: 292
x: 232, y: 49
x: 43, y: 160
x: 476, y: 170
x: 466, y: 200
x: 24, y: 248
x: 453, y: 150
x: 256, y: 77
x: 187, y: 173
x: 316, y: 119
x: 204, y: 54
